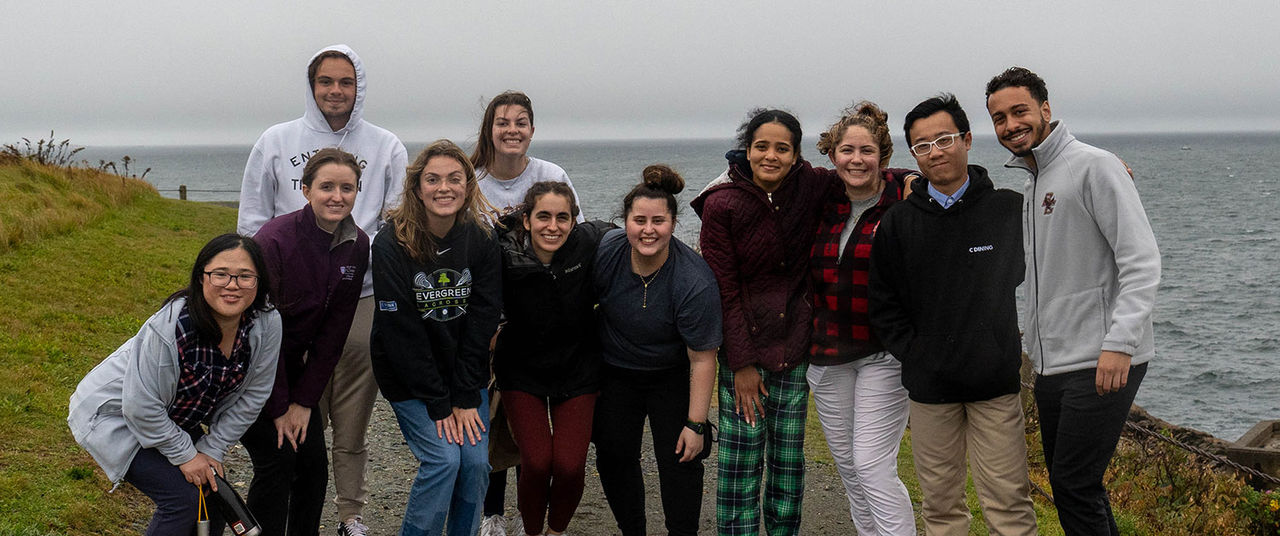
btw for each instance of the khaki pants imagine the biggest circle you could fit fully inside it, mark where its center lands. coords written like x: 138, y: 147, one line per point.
x: 347, y: 405
x: 991, y: 433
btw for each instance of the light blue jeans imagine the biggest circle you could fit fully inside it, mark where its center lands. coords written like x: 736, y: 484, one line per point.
x: 443, y: 467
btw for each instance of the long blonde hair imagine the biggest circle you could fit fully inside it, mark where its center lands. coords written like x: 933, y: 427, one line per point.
x: 409, y: 219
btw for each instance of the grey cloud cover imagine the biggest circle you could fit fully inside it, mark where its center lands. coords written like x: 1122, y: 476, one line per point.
x: 135, y: 72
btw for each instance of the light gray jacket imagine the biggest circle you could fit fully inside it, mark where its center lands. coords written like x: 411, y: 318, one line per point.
x: 1092, y: 261
x: 121, y: 406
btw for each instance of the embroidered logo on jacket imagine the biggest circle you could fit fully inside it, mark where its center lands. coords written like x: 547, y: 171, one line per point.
x: 1049, y: 202
x: 443, y: 295
x: 348, y: 272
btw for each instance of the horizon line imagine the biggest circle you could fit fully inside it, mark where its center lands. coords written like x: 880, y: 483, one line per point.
x: 722, y: 138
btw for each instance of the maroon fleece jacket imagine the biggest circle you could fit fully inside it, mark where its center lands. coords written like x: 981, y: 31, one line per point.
x: 317, y: 279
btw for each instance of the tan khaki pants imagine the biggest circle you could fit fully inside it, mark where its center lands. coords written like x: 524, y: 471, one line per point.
x: 347, y: 405
x: 991, y: 433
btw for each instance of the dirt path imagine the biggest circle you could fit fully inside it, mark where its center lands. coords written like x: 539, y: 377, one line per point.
x: 391, y: 470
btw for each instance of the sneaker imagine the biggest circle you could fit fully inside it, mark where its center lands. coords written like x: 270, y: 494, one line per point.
x: 355, y: 528
x: 518, y: 523
x: 494, y: 525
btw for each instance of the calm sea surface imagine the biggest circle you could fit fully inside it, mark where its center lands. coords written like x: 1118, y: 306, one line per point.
x: 1213, y: 199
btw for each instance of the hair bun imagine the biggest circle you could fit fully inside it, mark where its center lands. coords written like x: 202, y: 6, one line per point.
x: 870, y: 109
x: 662, y: 177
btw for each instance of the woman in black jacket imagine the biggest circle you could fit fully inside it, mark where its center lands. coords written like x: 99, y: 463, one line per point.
x: 547, y: 359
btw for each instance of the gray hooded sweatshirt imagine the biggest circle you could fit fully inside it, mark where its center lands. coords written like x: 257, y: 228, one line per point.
x: 121, y: 406
x: 272, y: 184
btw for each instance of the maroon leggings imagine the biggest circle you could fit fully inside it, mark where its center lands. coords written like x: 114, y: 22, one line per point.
x: 552, y: 466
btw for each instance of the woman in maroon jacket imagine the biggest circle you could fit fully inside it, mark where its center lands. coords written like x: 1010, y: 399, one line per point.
x: 856, y: 383
x: 317, y: 258
x: 757, y: 228
x: 758, y: 224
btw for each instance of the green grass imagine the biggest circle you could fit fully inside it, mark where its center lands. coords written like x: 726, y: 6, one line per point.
x: 71, y: 296
x: 45, y: 200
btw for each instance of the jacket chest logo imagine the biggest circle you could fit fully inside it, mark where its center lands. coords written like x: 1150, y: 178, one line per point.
x: 443, y: 295
x: 348, y: 272
x: 1048, y: 203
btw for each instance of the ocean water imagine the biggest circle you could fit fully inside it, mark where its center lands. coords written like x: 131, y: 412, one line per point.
x: 1213, y: 200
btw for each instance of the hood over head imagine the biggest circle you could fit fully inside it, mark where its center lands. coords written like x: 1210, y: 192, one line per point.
x: 312, y: 116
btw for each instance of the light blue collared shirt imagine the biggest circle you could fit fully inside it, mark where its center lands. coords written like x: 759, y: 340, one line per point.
x: 947, y: 200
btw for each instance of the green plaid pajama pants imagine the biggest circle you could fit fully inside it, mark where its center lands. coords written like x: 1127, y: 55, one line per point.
x: 744, y: 451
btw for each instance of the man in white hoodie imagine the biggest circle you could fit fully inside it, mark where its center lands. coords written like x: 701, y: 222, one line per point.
x: 1092, y: 268
x: 333, y: 117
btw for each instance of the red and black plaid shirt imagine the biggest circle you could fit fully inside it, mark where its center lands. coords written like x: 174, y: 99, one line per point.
x: 207, y: 375
x: 841, y: 325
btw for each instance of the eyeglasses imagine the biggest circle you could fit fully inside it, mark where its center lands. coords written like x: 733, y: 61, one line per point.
x: 943, y: 142
x: 222, y: 279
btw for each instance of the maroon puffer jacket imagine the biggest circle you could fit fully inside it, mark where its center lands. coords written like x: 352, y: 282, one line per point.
x: 758, y: 247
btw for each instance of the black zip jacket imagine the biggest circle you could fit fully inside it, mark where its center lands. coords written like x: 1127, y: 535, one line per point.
x: 432, y: 323
x: 943, y: 287
x: 549, y: 345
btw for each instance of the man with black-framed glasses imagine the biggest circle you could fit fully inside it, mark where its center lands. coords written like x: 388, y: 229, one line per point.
x: 945, y: 264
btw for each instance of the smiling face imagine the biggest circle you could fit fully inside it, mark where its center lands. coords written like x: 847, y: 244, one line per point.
x: 1021, y: 123
x: 442, y: 187
x: 549, y: 222
x: 229, y: 302
x: 331, y: 195
x: 946, y: 169
x: 857, y: 161
x: 771, y: 155
x: 649, y: 227
x: 512, y: 130
x: 335, y: 90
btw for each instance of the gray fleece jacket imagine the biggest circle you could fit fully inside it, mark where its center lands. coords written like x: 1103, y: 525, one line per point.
x: 1091, y: 257
x: 121, y: 406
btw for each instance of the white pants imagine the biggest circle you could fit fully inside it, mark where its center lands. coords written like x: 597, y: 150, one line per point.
x: 863, y: 409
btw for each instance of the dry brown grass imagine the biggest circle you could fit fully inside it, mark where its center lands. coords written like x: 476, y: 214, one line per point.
x: 43, y: 200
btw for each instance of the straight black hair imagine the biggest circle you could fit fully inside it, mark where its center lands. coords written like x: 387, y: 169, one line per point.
x: 944, y: 102
x: 200, y: 311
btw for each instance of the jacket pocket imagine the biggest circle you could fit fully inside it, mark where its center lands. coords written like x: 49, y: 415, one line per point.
x: 1073, y: 324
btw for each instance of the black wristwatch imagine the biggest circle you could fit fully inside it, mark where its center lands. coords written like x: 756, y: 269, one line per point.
x: 697, y: 427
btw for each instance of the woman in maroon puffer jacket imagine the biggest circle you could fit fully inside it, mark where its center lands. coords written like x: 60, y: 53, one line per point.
x: 758, y: 225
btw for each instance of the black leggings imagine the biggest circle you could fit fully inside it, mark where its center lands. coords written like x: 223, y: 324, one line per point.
x: 627, y: 397
x: 288, y: 487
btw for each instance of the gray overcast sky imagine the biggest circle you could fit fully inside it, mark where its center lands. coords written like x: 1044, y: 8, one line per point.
x: 134, y: 72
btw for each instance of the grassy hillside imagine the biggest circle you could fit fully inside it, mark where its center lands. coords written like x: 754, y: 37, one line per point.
x: 87, y: 264
x: 44, y: 200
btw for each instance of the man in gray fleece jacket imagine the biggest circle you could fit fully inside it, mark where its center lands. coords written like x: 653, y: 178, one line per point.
x: 1092, y: 268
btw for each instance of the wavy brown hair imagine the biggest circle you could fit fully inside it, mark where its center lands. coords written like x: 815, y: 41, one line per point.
x: 864, y: 114
x: 409, y: 219
x: 483, y: 155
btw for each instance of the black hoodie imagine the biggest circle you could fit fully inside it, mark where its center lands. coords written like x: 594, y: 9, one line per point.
x: 943, y: 285
x: 433, y: 323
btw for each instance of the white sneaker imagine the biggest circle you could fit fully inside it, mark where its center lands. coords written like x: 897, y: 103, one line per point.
x: 355, y: 528
x: 494, y: 525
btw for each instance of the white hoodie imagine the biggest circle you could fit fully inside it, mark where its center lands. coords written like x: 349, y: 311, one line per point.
x: 272, y: 184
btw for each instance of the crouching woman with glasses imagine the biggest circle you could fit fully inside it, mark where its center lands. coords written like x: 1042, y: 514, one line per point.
x: 207, y: 357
